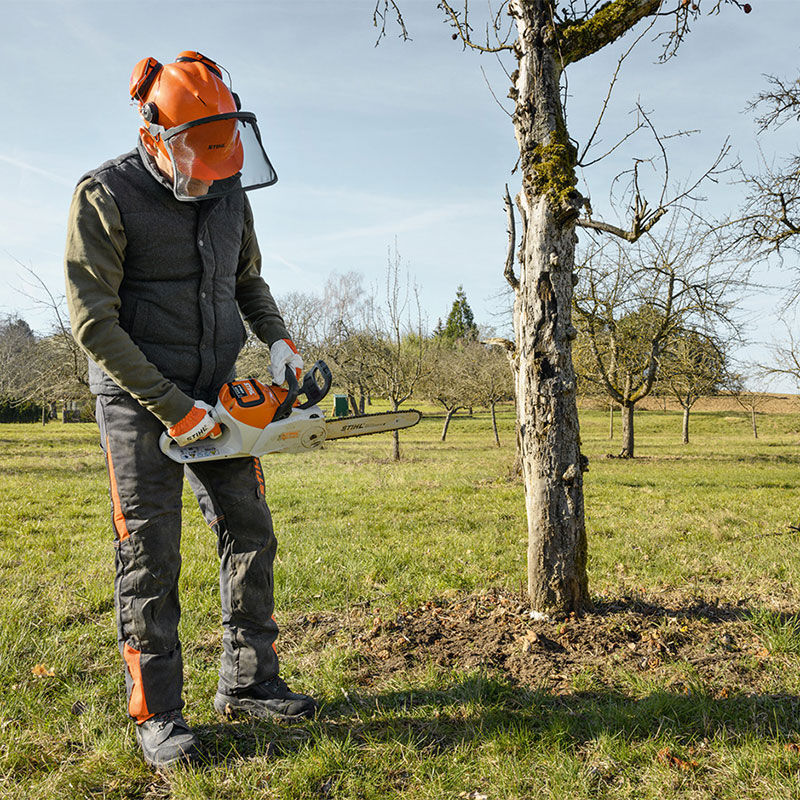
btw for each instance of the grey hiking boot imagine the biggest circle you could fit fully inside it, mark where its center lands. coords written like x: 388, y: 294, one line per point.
x: 166, y: 740
x: 268, y: 700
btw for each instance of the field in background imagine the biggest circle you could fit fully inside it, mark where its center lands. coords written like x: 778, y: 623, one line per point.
x: 770, y: 404
x: 400, y: 596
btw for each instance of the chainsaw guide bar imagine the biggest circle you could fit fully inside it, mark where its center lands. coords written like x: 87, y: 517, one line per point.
x: 367, y: 424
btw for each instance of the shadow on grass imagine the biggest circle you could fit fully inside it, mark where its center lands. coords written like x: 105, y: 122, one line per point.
x: 476, y: 709
x: 702, y: 610
x: 698, y: 608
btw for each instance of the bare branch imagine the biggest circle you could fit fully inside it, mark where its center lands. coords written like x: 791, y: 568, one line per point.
x: 459, y: 21
x: 643, y: 218
x: 637, y: 229
x: 379, y: 17
x: 783, y: 101
x: 606, y: 101
x: 508, y: 272
x: 491, y: 91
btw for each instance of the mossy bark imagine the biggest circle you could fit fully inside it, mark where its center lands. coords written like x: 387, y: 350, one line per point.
x: 545, y: 381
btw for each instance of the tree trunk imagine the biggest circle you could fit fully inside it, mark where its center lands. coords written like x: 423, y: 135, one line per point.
x: 447, y: 422
x: 627, y: 431
x: 494, y: 426
x: 753, y: 420
x: 686, y: 424
x: 610, y: 421
x: 351, y: 399
x: 395, y: 437
x: 545, y: 380
x: 45, y: 412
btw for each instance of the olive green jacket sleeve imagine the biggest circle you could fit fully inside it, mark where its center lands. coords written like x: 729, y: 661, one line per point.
x: 93, y: 264
x: 94, y: 270
x: 252, y: 293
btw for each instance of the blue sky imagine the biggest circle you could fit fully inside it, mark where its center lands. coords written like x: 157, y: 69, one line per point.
x: 371, y: 144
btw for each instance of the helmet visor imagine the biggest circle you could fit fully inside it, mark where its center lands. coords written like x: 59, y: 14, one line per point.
x: 216, y: 155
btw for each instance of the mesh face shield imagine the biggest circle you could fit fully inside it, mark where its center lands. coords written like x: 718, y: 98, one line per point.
x: 216, y: 155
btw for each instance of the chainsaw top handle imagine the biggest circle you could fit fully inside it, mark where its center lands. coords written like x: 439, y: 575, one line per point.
x: 316, y: 384
x: 311, y: 388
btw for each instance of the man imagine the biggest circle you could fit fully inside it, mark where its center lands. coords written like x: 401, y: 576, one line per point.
x: 161, y: 258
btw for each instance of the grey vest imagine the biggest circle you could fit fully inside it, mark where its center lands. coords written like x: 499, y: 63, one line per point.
x: 177, y: 296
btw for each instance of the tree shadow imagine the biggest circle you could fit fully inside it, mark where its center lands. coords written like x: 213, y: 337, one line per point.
x: 699, y: 608
x: 477, y: 708
x: 467, y: 708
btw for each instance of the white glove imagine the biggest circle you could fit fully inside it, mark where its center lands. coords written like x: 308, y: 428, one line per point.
x: 197, y: 424
x: 284, y: 354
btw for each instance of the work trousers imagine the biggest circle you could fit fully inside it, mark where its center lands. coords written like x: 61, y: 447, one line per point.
x: 146, y: 489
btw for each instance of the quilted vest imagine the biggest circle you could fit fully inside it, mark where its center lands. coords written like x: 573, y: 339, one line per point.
x: 177, y: 296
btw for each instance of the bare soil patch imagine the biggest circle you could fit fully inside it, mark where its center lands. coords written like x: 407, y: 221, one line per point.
x: 494, y: 631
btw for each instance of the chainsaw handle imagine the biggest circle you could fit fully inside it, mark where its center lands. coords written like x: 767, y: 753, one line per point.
x: 312, y: 388
x: 285, y: 408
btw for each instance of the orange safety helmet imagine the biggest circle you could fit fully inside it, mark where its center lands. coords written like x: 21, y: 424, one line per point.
x: 191, y: 90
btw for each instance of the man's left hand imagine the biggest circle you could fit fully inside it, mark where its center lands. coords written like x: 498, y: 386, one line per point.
x: 283, y: 354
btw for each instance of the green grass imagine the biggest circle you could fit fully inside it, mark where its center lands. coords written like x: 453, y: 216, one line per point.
x: 707, y: 520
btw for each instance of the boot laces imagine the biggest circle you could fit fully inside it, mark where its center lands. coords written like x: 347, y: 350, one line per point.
x: 278, y: 685
x: 166, y: 717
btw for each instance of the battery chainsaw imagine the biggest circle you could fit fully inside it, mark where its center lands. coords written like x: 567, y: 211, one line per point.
x: 257, y: 419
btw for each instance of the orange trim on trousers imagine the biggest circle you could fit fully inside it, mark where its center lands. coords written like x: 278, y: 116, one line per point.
x: 120, y: 525
x: 137, y: 703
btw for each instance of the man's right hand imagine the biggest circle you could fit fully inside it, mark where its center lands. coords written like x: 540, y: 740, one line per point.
x: 197, y: 424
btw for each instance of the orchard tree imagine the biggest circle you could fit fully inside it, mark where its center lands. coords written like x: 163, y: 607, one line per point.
x: 17, y: 354
x: 751, y: 400
x: 450, y: 379
x: 543, y: 38
x: 346, y: 338
x: 42, y: 369
x: 634, y: 302
x: 694, y: 367
x: 493, y: 381
x: 770, y: 219
x: 397, y: 344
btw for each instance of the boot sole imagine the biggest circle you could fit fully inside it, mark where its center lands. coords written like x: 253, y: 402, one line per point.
x: 233, y: 707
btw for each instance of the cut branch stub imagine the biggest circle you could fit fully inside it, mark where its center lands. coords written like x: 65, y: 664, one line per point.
x: 508, y: 272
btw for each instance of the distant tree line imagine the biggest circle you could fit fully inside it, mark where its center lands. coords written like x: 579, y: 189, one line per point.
x: 377, y: 344
x: 41, y: 376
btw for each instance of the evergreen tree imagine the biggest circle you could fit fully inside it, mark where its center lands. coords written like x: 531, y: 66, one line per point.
x: 460, y: 322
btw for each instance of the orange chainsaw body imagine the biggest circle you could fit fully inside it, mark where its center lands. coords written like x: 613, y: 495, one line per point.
x: 252, y: 402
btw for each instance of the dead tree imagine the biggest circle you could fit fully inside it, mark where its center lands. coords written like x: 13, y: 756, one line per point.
x: 543, y: 38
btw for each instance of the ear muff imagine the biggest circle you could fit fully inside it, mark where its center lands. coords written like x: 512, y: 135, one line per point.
x: 192, y: 55
x: 237, y: 101
x: 142, y: 77
x: 149, y: 112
